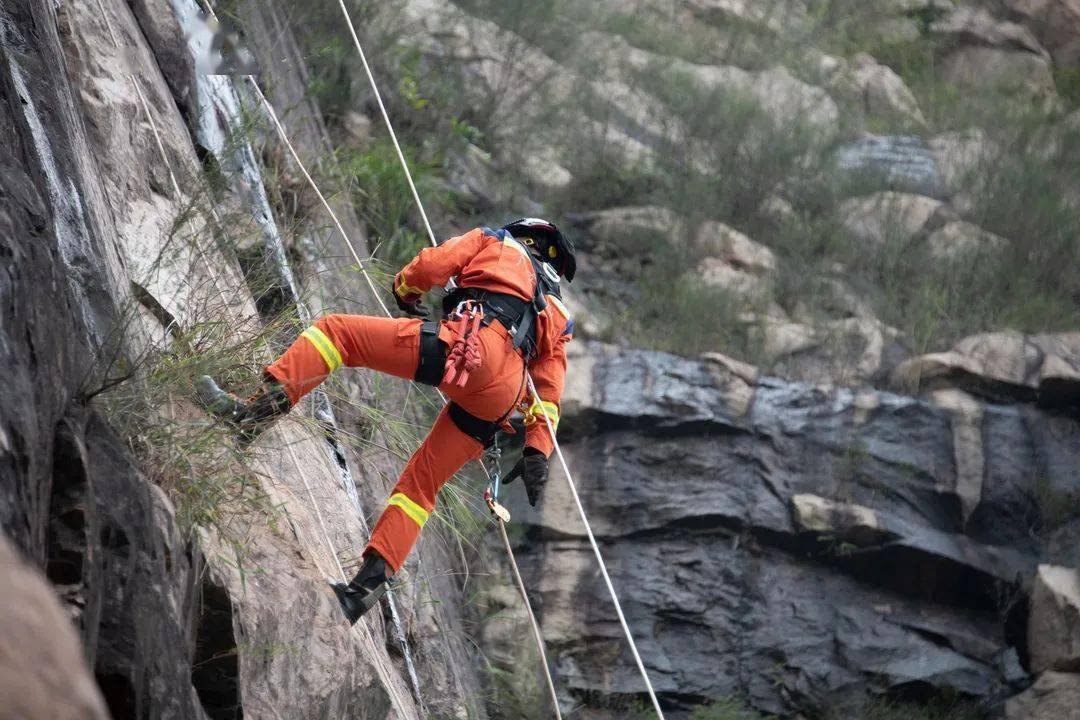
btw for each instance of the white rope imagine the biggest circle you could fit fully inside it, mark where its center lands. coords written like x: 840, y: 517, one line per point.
x: 375, y: 293
x: 386, y: 120
x: 333, y: 216
x: 599, y: 558
x: 532, y: 617
x: 318, y: 512
x: 532, y: 389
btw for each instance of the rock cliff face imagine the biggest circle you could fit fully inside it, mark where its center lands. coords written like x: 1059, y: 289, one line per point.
x: 107, y: 262
x: 797, y: 546
x: 794, y: 545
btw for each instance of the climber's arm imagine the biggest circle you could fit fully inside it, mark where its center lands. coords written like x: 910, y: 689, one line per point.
x: 548, y: 372
x: 436, y: 265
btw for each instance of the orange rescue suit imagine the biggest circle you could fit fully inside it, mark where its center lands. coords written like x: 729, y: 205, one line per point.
x: 477, y: 259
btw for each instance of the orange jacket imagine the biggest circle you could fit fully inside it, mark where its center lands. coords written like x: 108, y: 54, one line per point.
x: 481, y: 260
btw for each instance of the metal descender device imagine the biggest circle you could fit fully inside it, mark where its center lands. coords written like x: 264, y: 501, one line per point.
x: 491, y: 493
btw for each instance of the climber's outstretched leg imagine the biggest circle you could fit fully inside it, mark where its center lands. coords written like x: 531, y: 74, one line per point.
x: 445, y: 450
x: 384, y: 344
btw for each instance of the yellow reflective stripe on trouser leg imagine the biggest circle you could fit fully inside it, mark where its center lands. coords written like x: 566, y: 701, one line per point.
x: 542, y: 407
x: 418, y: 514
x: 330, y: 354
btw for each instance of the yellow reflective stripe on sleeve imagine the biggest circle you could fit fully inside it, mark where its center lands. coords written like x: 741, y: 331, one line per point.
x: 404, y: 289
x: 543, y: 407
x: 416, y: 513
x: 330, y: 354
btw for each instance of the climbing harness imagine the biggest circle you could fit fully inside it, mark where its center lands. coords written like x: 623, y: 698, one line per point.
x: 464, y: 356
x: 519, y: 317
x: 491, y: 493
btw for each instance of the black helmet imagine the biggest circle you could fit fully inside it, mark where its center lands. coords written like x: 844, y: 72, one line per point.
x: 548, y: 243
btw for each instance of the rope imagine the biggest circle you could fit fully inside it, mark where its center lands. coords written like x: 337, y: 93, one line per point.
x: 532, y: 388
x: 318, y: 512
x: 386, y: 120
x: 532, y: 616
x: 333, y: 216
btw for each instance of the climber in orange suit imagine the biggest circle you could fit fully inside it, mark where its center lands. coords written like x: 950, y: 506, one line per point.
x: 507, y: 284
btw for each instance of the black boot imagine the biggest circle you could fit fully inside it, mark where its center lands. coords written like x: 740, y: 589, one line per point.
x: 366, y: 588
x: 249, y: 417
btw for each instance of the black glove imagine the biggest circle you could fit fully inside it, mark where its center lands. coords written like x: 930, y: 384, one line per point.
x: 533, y: 470
x: 415, y: 309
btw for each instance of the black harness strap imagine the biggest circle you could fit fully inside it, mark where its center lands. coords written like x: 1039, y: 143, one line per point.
x: 483, y: 431
x: 432, y: 365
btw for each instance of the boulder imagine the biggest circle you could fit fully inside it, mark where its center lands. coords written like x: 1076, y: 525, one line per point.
x: 473, y: 177
x: 841, y: 521
x: 958, y: 156
x: 989, y: 53
x: 777, y: 17
x: 1054, y: 696
x: 545, y: 173
x: 1012, y: 73
x: 961, y: 240
x: 43, y: 673
x: 750, y: 287
x: 784, y: 98
x: 1056, y: 23
x: 882, y: 94
x: 358, y: 129
x: 1054, y: 622
x: 777, y: 211
x: 975, y: 26
x: 847, y: 351
x: 878, y: 218
x: 902, y: 161
x: 734, y: 248
x: 615, y: 225
x: 1006, y: 366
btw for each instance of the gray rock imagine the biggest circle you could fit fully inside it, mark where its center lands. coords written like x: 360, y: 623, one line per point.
x: 1056, y: 23
x: 1054, y: 696
x: 901, y: 161
x: 43, y: 675
x: 817, y: 546
x: 890, y: 216
x: 963, y: 241
x: 1054, y: 623
x: 1003, y: 365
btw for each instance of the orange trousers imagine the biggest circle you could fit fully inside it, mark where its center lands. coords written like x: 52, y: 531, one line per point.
x: 393, y: 346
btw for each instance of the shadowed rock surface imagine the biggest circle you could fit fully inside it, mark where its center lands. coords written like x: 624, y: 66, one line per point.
x: 805, y: 547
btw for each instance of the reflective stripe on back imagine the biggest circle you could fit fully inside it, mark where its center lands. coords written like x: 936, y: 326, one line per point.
x: 327, y: 350
x: 416, y: 513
